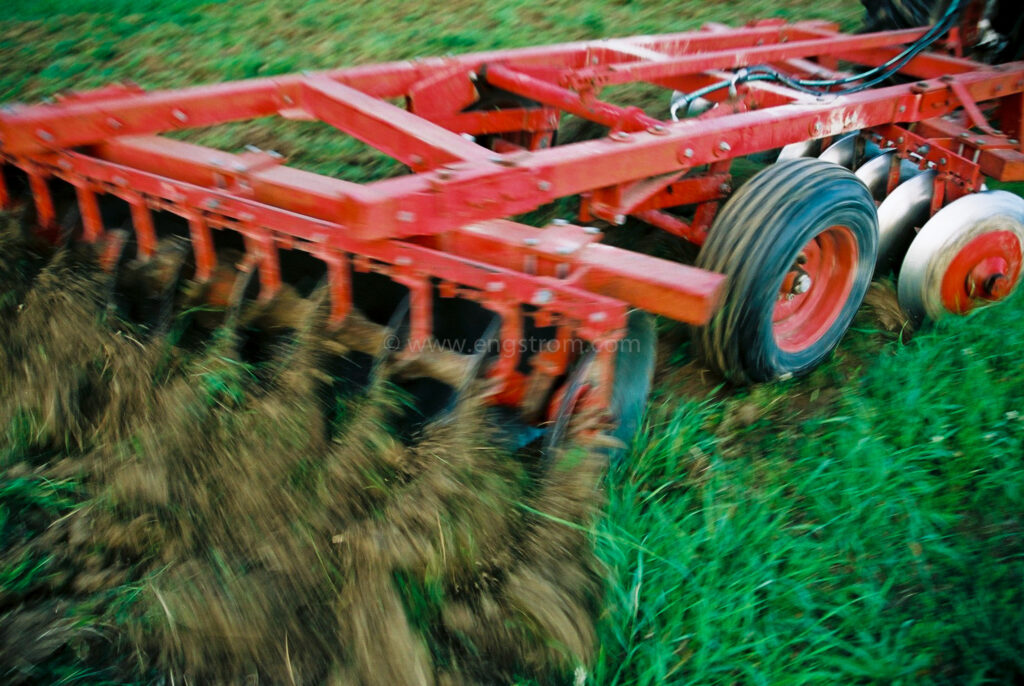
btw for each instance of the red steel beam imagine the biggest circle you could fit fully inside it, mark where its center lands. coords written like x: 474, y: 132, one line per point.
x: 392, y: 130
x: 472, y: 191
x: 620, y: 118
x: 674, y: 290
x: 26, y: 130
x: 485, y: 189
x: 737, y: 58
x: 927, y: 65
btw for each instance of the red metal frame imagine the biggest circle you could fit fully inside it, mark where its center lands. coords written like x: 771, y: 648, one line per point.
x: 442, y: 225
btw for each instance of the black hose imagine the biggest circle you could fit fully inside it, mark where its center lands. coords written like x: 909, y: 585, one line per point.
x: 862, y: 81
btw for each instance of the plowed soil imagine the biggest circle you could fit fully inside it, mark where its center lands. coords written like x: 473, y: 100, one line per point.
x: 233, y: 517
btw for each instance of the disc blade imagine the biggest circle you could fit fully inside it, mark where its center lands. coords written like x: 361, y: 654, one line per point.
x: 875, y: 173
x: 941, y: 240
x: 905, y: 209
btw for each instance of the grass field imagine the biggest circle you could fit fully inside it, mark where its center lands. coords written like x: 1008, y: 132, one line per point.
x: 863, y: 525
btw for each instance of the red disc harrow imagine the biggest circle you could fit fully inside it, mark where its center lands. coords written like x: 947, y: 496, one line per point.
x: 784, y: 264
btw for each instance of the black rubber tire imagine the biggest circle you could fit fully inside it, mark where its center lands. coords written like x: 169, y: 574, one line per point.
x: 755, y: 240
x: 1004, y: 16
x: 888, y: 15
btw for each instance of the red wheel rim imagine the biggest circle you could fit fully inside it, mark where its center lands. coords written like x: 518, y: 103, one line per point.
x: 829, y: 260
x: 986, y: 269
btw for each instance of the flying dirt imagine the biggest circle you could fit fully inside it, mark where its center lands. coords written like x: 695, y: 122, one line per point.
x: 271, y: 526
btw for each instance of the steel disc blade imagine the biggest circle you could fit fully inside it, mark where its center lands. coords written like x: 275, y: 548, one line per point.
x: 942, y: 238
x: 808, y: 148
x: 634, y: 373
x: 843, y: 152
x: 875, y: 173
x: 871, y: 151
x: 905, y: 209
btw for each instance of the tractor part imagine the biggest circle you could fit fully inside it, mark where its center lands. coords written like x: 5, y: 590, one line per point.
x: 875, y: 173
x: 424, y: 274
x: 968, y: 255
x: 905, y: 209
x: 795, y: 283
x: 634, y: 375
x: 992, y: 30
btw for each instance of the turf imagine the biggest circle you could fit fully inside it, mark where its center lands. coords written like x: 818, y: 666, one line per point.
x: 862, y: 525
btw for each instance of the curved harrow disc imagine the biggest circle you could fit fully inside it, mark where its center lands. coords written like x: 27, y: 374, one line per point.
x: 905, y: 209
x: 967, y: 255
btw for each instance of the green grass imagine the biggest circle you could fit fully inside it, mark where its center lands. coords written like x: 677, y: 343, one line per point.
x: 874, y: 538
x: 859, y: 526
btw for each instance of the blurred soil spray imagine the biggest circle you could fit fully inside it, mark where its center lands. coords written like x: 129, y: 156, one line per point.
x: 219, y: 496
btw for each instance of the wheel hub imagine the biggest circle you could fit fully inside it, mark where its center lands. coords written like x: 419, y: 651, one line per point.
x: 815, y: 289
x: 985, y: 269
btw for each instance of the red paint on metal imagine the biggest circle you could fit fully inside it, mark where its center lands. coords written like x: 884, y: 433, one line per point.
x: 145, y: 231
x: 617, y: 118
x: 801, y: 319
x: 442, y: 225
x: 92, y: 222
x: 986, y: 269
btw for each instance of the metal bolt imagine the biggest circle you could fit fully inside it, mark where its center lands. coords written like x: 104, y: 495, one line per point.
x: 620, y: 136
x: 801, y: 284
x: 44, y: 135
x: 688, y: 152
x: 238, y: 166
x: 1014, y: 141
x: 560, y: 222
x: 598, y: 316
x: 565, y: 250
x: 403, y: 261
x: 113, y: 123
x: 724, y: 147
x: 495, y: 286
x: 964, y: 134
x: 818, y: 127
x: 543, y: 185
x: 943, y: 161
x: 179, y: 115
x: 542, y: 297
x: 979, y: 141
x: 213, y: 203
x: 900, y: 140
x: 591, y: 230
x: 903, y: 108
x: 531, y: 241
x: 620, y: 219
x: 724, y: 188
x: 405, y: 216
